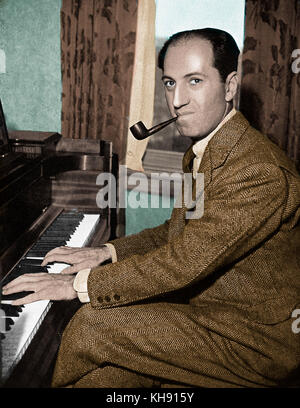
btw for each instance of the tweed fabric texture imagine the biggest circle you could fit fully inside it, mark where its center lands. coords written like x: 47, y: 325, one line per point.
x: 204, y: 302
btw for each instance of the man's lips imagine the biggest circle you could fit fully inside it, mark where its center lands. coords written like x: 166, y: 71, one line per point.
x: 179, y: 114
x: 182, y: 117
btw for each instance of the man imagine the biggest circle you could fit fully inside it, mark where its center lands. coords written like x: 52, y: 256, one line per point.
x: 200, y: 302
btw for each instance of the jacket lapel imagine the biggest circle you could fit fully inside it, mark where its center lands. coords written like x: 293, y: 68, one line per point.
x: 221, y: 145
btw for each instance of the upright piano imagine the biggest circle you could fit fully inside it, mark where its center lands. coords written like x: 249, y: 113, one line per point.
x: 47, y: 199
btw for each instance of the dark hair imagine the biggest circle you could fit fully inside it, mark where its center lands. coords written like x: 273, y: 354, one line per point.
x: 225, y: 49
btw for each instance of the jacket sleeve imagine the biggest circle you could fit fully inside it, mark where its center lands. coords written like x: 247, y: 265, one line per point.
x: 142, y: 242
x: 240, y: 211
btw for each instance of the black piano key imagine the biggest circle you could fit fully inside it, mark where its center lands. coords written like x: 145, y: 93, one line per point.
x: 40, y: 250
x: 34, y: 269
x: 54, y: 238
x: 29, y: 262
x: 43, y: 245
x: 10, y: 310
x: 58, y: 225
x: 8, y: 321
x: 63, y: 226
x: 37, y: 254
x: 72, y: 215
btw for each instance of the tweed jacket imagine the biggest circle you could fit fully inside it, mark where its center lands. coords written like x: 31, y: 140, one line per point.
x: 243, y: 254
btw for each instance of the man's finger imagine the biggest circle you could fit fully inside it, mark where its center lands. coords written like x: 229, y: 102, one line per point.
x: 27, y: 277
x: 29, y: 284
x: 65, y: 258
x: 71, y: 269
x: 20, y: 287
x: 58, y: 251
x: 33, y: 297
x: 78, y: 267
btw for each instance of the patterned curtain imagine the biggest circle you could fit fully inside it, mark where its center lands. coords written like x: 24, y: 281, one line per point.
x: 97, y: 55
x: 271, y: 81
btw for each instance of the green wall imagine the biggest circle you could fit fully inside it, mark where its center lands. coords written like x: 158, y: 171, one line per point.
x: 30, y: 89
x: 139, y: 218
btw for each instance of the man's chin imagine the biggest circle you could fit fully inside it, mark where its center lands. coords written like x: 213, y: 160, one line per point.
x: 192, y: 135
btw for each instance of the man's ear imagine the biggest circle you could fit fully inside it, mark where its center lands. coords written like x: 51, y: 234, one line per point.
x: 231, y: 86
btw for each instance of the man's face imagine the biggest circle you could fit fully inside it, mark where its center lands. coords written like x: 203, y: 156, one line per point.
x: 193, y: 88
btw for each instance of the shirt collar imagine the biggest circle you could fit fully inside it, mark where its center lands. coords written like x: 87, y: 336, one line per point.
x: 200, y: 146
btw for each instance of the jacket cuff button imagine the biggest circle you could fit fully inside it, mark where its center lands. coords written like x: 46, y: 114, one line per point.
x: 116, y: 297
x: 100, y: 299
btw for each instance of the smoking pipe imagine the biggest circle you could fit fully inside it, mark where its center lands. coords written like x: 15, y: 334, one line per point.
x: 140, y: 131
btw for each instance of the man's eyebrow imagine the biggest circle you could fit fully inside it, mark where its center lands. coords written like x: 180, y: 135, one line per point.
x: 166, y: 77
x: 186, y: 75
x: 195, y: 73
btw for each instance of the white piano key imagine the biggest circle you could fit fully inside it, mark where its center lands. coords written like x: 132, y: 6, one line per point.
x: 56, y: 267
x: 83, y: 231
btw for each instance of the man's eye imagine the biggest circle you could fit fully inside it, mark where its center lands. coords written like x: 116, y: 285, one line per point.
x: 169, y: 84
x: 195, y: 81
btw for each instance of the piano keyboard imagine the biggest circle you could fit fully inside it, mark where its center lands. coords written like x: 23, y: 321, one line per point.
x: 22, y: 322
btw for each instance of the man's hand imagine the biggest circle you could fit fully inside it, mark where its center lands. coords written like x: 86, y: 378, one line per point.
x: 78, y: 258
x: 52, y: 286
x: 49, y: 286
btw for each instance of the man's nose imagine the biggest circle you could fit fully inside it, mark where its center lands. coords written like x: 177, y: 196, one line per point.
x: 180, y: 97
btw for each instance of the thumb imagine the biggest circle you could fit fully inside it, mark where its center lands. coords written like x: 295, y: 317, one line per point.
x: 71, y: 269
